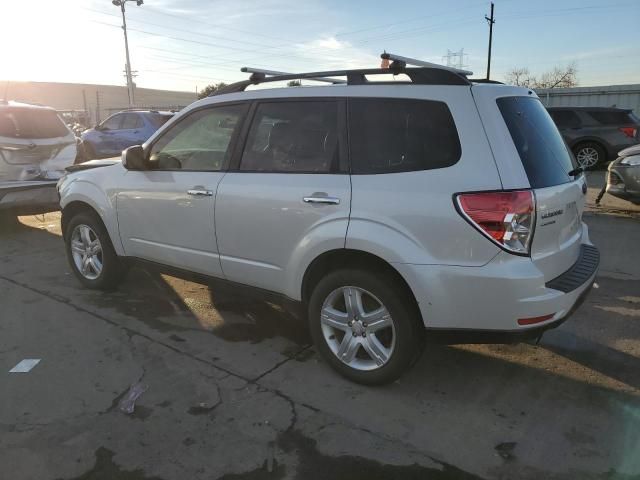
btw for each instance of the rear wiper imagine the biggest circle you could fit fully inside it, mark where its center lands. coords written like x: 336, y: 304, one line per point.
x: 575, y: 172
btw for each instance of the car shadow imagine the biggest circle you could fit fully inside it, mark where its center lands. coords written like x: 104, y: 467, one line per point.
x: 171, y: 305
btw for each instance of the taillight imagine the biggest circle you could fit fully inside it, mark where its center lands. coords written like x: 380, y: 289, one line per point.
x: 506, y: 218
x: 629, y: 131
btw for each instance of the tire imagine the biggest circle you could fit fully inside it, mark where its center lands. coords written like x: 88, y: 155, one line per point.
x: 105, y: 270
x: 401, y: 342
x: 589, y: 155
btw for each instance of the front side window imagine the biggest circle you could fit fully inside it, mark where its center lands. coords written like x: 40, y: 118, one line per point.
x: 113, y: 123
x: 293, y: 137
x: 401, y: 135
x: 201, y: 141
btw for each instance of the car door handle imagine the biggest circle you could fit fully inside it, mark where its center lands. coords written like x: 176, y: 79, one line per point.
x: 200, y: 193
x: 323, y: 200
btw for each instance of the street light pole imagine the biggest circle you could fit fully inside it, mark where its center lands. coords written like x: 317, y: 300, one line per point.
x: 121, y: 3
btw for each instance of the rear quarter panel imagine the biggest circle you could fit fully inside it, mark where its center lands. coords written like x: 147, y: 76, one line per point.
x: 410, y: 217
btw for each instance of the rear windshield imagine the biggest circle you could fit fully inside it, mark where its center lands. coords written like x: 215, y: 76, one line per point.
x: 544, y: 155
x: 31, y: 123
x: 612, y: 117
x: 159, y: 119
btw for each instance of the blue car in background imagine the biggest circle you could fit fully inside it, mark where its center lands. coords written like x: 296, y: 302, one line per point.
x: 121, y: 131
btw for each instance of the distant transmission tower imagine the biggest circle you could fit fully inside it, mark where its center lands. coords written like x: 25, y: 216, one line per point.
x: 456, y: 59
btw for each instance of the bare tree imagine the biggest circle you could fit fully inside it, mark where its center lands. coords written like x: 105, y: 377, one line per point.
x: 519, y: 77
x: 559, y: 77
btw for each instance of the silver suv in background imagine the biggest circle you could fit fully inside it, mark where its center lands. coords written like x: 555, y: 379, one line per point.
x: 392, y: 211
x: 35, y: 148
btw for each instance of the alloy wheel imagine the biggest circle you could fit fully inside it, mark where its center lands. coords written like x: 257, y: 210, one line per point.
x: 587, y: 157
x: 358, y: 328
x: 86, y: 251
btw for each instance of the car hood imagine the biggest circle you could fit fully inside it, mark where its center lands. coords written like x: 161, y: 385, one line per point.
x: 627, y: 152
x: 105, y: 162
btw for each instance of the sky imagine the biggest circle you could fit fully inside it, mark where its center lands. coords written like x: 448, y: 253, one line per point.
x: 187, y: 44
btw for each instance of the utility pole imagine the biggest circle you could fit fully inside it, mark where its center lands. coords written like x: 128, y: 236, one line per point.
x: 491, y: 21
x: 130, y: 89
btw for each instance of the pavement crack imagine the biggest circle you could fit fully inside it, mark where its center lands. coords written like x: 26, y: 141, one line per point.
x: 279, y: 364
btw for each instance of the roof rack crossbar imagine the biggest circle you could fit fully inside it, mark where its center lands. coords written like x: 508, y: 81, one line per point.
x: 418, y: 76
x: 399, y: 59
x: 262, y: 73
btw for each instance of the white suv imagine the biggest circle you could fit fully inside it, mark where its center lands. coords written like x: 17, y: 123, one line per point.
x: 393, y: 211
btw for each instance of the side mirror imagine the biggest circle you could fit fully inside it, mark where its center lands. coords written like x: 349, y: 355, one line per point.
x: 133, y: 158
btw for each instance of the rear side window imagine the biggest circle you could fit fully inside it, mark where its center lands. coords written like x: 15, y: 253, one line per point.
x: 545, y: 156
x: 565, y: 118
x: 159, y: 119
x: 612, y: 117
x: 401, y: 135
x: 300, y: 136
x: 31, y: 123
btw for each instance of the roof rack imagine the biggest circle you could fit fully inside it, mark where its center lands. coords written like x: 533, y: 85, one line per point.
x: 426, y: 73
x: 400, y: 61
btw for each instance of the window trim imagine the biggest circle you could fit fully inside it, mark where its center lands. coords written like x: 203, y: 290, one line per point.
x: 232, y: 142
x: 343, y: 157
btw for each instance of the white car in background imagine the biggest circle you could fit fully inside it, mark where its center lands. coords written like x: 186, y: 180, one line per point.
x: 35, y: 148
x: 392, y: 211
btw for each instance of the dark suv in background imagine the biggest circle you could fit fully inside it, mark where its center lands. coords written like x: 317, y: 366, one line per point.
x: 596, y: 134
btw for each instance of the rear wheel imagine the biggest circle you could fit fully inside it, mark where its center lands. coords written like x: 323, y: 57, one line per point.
x: 365, y: 325
x: 589, y: 154
x: 90, y: 253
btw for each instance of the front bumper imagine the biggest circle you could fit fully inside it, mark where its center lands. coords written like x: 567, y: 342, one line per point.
x: 487, y: 301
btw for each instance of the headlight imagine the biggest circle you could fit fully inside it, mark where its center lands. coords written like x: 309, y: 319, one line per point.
x: 632, y: 161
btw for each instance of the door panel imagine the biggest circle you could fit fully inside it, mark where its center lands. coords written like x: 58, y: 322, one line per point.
x: 287, y: 201
x: 166, y: 213
x: 160, y: 221
x: 265, y: 227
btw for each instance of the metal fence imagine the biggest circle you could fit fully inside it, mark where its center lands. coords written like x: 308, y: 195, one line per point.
x: 621, y: 96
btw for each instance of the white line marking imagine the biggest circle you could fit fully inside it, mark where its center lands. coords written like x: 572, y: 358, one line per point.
x: 25, y: 366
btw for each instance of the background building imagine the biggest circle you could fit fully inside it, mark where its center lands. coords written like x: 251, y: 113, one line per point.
x: 621, y: 96
x: 99, y: 100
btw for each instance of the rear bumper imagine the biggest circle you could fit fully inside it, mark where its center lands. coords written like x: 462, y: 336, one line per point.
x: 29, y: 198
x: 487, y: 301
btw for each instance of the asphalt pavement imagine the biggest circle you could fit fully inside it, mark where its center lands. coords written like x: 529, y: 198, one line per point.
x: 233, y: 389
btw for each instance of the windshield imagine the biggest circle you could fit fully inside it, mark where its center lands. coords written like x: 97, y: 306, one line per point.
x: 32, y: 123
x: 543, y: 152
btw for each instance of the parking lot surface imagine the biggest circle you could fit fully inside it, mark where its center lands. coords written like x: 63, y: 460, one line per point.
x: 235, y: 391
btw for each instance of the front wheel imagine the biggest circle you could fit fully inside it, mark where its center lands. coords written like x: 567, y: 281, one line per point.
x: 365, y: 325
x: 90, y: 253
